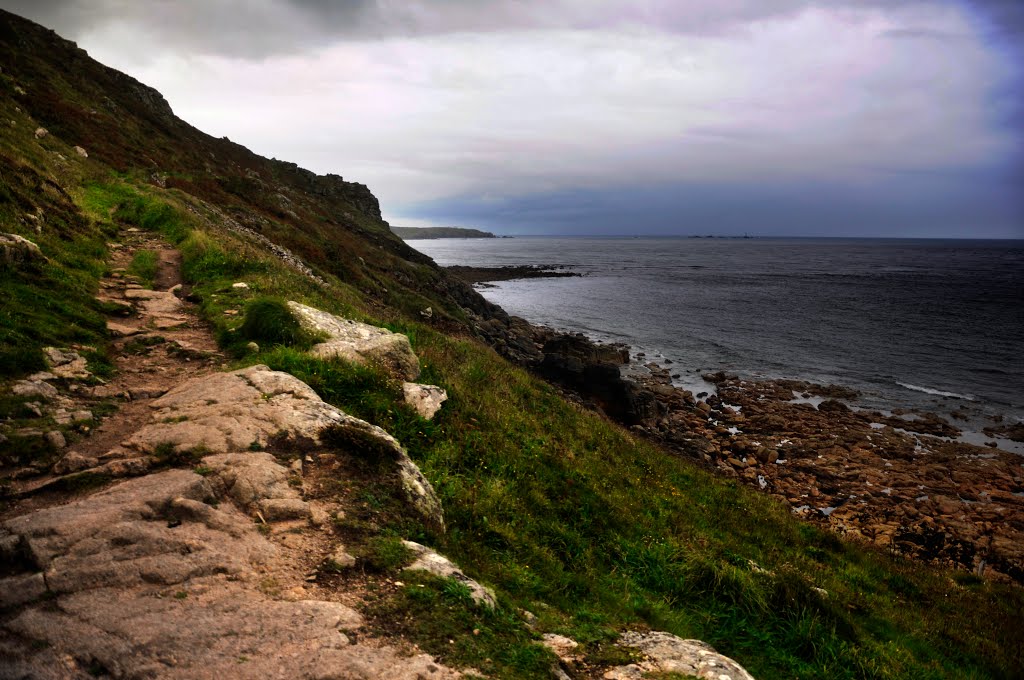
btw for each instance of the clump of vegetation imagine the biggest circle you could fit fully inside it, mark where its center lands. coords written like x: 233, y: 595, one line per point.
x: 168, y: 454
x: 445, y: 621
x: 386, y: 554
x: 144, y: 266
x: 268, y: 321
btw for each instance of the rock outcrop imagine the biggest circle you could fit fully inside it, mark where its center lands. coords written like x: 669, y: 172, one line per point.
x: 237, y: 411
x: 359, y: 342
x: 665, y: 653
x: 256, y: 408
x: 159, y: 577
x: 17, y: 250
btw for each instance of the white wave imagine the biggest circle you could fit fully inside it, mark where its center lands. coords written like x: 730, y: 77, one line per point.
x: 938, y: 393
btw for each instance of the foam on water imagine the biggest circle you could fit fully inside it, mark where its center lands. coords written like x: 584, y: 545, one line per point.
x: 938, y: 393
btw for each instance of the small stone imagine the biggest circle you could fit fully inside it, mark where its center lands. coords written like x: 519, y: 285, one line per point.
x: 56, y: 439
x: 318, y: 517
x: 563, y: 647
x: 34, y: 388
x: 74, y: 462
x: 341, y: 558
x: 41, y: 132
x: 241, y: 285
x: 277, y: 509
x: 81, y: 152
x: 120, y: 330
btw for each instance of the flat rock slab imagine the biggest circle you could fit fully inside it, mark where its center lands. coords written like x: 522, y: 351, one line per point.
x: 257, y: 481
x: 236, y: 411
x: 359, y: 342
x: 154, y: 302
x: 666, y: 653
x: 150, y: 579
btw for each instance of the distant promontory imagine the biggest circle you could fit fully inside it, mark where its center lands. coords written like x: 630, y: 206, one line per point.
x: 410, y: 233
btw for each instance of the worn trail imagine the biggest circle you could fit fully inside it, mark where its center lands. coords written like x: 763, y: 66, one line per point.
x: 184, y: 551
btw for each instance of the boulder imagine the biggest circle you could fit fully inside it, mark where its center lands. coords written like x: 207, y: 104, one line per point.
x: 255, y: 408
x: 439, y: 565
x: 665, y: 653
x: 426, y: 400
x: 74, y: 462
x: 15, y: 250
x: 56, y: 440
x: 359, y: 342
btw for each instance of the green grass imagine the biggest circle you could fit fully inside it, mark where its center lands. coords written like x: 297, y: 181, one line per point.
x: 386, y: 554
x: 269, y: 322
x: 445, y: 621
x: 50, y: 302
x: 144, y: 266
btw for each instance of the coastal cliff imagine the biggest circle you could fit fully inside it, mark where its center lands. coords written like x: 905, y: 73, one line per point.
x: 247, y: 430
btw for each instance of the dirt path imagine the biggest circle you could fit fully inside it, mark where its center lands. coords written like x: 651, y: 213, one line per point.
x: 121, y: 561
x: 159, y: 342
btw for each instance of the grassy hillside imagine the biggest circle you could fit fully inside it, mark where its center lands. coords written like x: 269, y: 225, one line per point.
x: 564, y: 513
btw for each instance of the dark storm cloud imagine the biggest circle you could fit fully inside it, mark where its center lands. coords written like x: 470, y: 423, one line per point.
x: 791, y: 116
x: 908, y: 207
x: 260, y: 28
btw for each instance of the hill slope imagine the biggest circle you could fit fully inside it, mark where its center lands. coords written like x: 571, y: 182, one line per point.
x: 563, y: 512
x: 412, y: 233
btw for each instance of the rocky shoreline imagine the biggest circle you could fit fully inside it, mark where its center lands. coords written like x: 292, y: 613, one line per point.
x: 508, y: 273
x: 899, y: 481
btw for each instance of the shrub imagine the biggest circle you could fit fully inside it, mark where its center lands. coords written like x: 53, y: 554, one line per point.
x: 269, y: 321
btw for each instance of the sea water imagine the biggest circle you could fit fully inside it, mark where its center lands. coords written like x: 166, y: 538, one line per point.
x: 931, y: 325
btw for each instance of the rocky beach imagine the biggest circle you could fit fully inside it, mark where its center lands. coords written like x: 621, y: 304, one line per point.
x: 899, y: 480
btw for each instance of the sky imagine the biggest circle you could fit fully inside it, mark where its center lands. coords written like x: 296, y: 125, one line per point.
x: 900, y: 118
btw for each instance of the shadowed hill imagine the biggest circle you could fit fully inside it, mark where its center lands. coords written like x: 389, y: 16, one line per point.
x: 328, y: 222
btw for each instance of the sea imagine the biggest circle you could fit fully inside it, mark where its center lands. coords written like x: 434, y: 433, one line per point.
x: 917, y: 325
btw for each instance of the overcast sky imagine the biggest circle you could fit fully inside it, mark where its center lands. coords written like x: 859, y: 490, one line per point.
x: 782, y: 117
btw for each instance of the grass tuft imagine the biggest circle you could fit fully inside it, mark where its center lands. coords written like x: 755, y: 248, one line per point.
x: 268, y: 321
x: 144, y: 266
